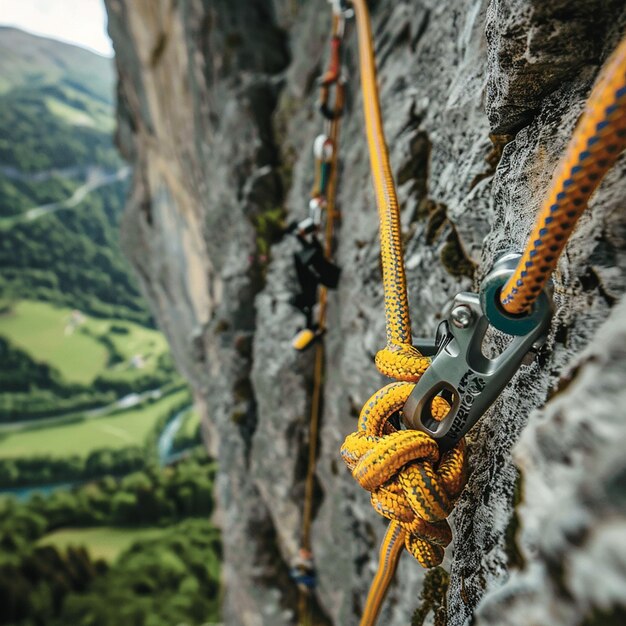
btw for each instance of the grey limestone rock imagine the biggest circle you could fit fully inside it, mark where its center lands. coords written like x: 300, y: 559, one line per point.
x: 217, y: 115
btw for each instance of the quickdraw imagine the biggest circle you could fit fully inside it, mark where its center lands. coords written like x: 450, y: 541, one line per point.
x: 415, y: 475
x: 314, y: 267
x: 317, y: 273
x: 334, y: 75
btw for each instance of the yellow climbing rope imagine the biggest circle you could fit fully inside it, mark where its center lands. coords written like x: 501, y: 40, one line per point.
x: 599, y: 138
x: 318, y: 371
x: 410, y: 482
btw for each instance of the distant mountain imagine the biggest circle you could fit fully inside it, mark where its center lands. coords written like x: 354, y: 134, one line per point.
x: 62, y: 183
x: 29, y: 60
x: 56, y: 104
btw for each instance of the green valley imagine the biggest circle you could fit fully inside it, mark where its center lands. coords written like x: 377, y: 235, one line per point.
x: 58, y: 360
x: 138, y: 548
x: 103, y: 479
x: 80, y: 347
x: 75, y: 334
x: 56, y: 140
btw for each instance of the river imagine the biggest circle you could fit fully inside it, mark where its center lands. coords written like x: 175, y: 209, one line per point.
x: 165, y: 443
x: 165, y: 453
x: 127, y: 402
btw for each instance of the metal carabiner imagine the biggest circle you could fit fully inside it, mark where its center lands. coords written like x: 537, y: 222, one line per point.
x: 334, y: 112
x: 332, y: 77
x: 460, y: 373
x: 341, y: 12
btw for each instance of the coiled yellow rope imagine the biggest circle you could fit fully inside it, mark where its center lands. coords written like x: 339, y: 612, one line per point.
x: 410, y: 483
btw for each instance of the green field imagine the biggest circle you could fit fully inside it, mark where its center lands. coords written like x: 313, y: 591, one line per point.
x: 190, y: 424
x: 103, y: 542
x: 83, y: 437
x: 147, y: 342
x: 85, y: 110
x: 75, y: 344
x: 42, y: 330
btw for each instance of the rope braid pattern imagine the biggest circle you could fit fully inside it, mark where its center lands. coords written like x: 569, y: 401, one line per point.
x: 410, y: 482
x: 598, y: 140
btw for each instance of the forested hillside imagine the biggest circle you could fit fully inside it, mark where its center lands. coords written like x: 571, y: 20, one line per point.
x: 71, y: 317
x: 58, y: 161
x: 105, y: 492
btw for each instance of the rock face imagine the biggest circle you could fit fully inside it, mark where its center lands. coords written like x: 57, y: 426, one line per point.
x: 217, y: 115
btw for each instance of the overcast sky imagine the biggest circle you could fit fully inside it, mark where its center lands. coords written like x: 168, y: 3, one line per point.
x: 81, y: 22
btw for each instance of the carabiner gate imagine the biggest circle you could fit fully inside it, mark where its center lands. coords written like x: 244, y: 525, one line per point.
x: 460, y: 373
x: 336, y: 110
x: 333, y: 77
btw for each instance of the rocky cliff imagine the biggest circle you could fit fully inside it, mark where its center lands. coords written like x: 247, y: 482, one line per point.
x: 217, y: 115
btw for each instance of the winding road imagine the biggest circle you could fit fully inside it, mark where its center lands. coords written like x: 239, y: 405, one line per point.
x: 95, y: 179
x: 126, y: 402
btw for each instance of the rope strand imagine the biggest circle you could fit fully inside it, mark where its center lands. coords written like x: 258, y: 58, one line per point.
x: 394, y: 279
x: 410, y: 483
x: 597, y: 142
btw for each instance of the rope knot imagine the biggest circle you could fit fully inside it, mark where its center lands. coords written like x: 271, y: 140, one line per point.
x: 410, y: 481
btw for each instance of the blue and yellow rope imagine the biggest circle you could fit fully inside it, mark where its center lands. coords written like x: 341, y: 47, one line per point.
x: 597, y: 142
x: 410, y: 482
